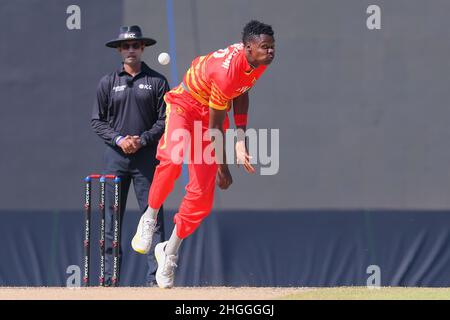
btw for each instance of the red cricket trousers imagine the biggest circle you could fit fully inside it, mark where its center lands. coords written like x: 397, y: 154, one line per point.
x: 182, y: 112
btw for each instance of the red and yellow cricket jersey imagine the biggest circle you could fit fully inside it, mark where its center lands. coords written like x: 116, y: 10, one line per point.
x: 217, y: 78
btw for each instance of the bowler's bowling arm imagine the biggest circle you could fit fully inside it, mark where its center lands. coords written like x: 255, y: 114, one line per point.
x: 240, y: 109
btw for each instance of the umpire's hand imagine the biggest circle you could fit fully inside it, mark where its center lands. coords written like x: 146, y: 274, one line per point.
x: 130, y: 144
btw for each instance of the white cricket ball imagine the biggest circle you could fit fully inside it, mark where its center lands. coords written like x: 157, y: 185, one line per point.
x: 164, y: 58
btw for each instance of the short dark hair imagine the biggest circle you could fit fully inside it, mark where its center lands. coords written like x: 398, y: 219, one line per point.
x: 254, y: 29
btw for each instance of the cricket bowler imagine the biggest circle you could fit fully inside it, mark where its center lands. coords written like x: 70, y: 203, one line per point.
x: 213, y: 85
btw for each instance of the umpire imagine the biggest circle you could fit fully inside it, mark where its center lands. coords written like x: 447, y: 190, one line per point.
x: 129, y: 115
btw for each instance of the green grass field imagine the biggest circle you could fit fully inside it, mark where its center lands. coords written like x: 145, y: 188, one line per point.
x: 363, y: 293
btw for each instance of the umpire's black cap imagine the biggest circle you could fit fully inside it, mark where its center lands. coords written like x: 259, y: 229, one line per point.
x: 128, y: 33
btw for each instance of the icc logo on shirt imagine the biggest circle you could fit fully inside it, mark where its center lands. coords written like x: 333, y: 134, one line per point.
x: 145, y: 86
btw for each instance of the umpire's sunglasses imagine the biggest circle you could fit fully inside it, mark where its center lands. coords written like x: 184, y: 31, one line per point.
x: 134, y: 45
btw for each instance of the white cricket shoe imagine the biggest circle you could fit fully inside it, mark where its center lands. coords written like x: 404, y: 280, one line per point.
x: 142, y: 240
x: 165, y: 274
